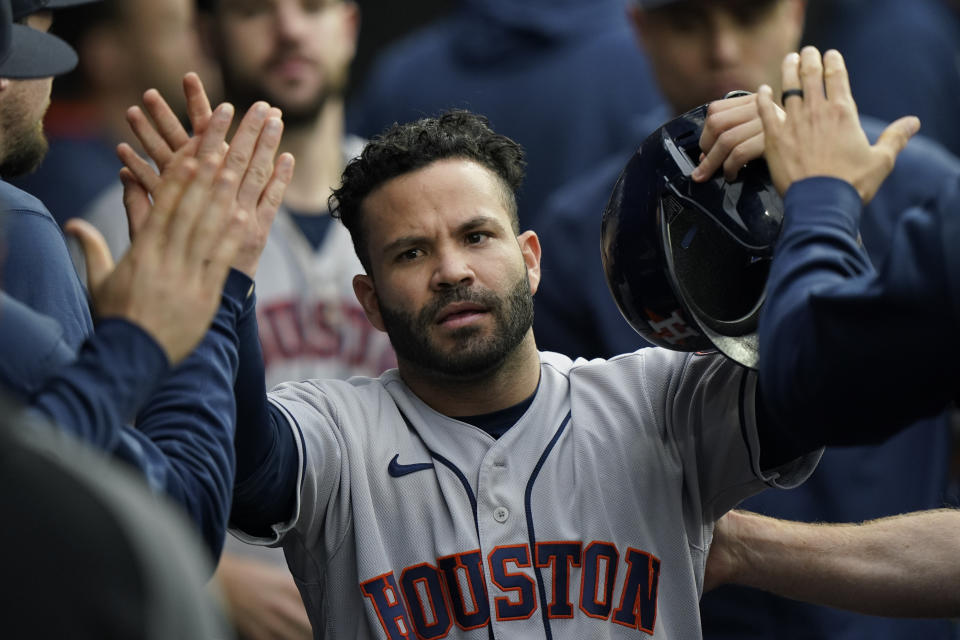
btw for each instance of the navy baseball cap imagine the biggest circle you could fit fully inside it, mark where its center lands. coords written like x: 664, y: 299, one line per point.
x: 23, y: 8
x: 29, y: 53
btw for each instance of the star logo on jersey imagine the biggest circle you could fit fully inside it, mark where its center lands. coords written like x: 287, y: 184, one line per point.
x: 397, y: 470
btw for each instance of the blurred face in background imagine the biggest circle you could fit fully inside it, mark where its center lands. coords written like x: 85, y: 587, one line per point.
x: 701, y: 49
x: 161, y: 35
x: 294, y: 54
x: 143, y: 44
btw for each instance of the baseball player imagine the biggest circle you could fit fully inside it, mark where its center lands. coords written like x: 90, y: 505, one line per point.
x: 485, y: 489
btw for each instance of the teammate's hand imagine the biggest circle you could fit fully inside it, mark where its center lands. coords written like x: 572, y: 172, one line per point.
x: 732, y: 136
x: 250, y: 154
x: 821, y: 134
x: 170, y: 281
x: 262, y: 599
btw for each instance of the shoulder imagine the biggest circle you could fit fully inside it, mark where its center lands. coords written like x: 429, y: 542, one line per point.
x: 335, y: 399
x: 15, y: 200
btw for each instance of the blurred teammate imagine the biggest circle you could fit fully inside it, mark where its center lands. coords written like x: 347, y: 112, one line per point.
x: 699, y: 50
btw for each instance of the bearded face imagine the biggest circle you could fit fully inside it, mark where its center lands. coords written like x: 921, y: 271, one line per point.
x: 474, y: 352
x: 21, y: 123
x: 295, y: 54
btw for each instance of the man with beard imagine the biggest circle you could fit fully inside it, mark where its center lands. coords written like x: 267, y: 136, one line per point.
x: 124, y: 48
x: 484, y: 484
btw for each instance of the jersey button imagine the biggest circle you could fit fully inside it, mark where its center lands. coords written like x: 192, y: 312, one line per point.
x: 500, y: 514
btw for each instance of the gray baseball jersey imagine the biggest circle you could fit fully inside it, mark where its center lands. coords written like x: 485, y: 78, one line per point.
x: 590, y: 518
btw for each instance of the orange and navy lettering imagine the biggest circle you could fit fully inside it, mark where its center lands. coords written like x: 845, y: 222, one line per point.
x: 520, y: 601
x: 429, y: 599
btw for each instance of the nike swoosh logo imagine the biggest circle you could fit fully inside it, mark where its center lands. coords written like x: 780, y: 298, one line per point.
x: 396, y: 469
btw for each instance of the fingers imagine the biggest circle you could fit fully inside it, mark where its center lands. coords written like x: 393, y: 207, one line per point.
x: 136, y: 202
x: 213, y: 141
x: 167, y: 197
x: 773, y: 126
x: 722, y: 117
x: 272, y: 196
x: 835, y: 79
x: 733, y: 149
x: 198, y: 104
x: 150, y: 139
x: 244, y: 141
x: 769, y: 117
x: 142, y: 170
x: 790, y: 72
x: 261, y: 166
x: 96, y: 253
x: 811, y: 76
x: 167, y: 123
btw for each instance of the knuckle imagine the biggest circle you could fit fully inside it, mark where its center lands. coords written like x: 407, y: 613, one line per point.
x: 258, y: 173
x: 238, y: 159
x: 724, y: 143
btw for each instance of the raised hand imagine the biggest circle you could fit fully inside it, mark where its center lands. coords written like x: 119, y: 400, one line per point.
x: 170, y: 280
x: 250, y: 154
x: 821, y: 134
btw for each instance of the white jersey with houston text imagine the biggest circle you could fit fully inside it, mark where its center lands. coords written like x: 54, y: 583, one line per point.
x: 591, y: 517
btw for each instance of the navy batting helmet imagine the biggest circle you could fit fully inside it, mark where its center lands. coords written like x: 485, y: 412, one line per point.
x: 687, y: 262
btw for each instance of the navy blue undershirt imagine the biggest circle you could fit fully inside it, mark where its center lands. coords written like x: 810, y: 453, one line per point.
x: 313, y: 226
x: 496, y: 423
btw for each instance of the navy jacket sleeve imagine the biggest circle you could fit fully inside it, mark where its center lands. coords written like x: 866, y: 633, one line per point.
x: 266, y: 481
x: 112, y: 376
x: 183, y: 440
x: 850, y: 355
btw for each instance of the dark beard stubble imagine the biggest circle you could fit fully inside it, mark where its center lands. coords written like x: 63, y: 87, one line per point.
x: 473, y: 356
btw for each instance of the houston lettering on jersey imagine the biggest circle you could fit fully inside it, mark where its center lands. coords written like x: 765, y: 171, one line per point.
x: 593, y: 579
x: 289, y: 331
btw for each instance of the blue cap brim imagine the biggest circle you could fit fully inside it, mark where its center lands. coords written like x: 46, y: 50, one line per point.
x: 35, y: 54
x: 23, y: 8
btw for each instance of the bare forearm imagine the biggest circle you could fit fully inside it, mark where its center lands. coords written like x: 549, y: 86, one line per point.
x: 902, y: 566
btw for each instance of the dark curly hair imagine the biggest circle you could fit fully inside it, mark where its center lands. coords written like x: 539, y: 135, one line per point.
x: 404, y: 148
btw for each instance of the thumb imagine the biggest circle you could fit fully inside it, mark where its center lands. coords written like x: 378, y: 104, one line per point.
x: 897, y: 134
x: 96, y: 253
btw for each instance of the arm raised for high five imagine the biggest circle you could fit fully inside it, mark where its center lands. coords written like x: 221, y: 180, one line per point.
x: 251, y: 154
x: 829, y: 369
